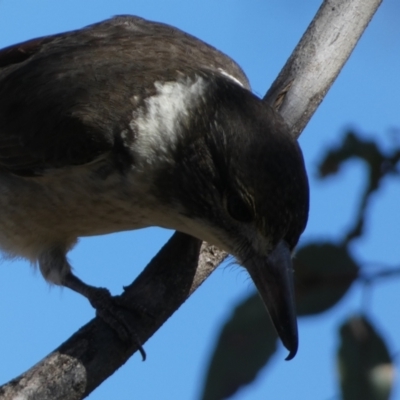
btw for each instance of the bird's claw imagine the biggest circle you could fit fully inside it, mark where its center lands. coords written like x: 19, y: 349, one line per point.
x: 109, y: 309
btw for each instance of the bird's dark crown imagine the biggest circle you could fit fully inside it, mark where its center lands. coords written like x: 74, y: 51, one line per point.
x: 237, y: 161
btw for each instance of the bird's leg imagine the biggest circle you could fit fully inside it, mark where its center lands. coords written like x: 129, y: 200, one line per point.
x: 56, y: 269
x: 106, y: 307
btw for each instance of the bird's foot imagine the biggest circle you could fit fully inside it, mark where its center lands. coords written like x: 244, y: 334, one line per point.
x: 109, y: 309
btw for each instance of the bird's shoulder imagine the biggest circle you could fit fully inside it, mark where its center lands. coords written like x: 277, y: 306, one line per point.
x: 66, y: 99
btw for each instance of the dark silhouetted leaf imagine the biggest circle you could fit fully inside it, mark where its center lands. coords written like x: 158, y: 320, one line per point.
x: 365, y: 367
x: 378, y: 162
x: 354, y: 146
x: 245, y: 345
x: 323, y: 274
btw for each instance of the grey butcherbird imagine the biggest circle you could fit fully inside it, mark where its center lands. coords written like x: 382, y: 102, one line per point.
x: 127, y: 124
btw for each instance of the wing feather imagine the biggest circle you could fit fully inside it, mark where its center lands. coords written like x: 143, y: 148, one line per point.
x: 66, y: 99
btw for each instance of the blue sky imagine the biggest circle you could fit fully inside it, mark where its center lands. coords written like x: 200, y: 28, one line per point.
x: 259, y: 35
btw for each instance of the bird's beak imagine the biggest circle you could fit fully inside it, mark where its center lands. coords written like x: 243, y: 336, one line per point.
x: 273, y: 278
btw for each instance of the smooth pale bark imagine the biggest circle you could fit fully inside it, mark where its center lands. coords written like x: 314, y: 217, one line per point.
x: 318, y: 58
x: 94, y: 353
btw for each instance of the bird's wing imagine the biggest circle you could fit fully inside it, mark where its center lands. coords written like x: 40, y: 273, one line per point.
x: 68, y: 99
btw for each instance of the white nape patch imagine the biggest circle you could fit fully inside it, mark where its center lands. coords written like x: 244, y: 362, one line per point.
x: 231, y: 77
x: 159, y: 123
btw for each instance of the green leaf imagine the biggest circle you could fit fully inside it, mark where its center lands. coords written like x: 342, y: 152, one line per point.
x: 366, y: 370
x: 323, y: 274
x: 245, y: 344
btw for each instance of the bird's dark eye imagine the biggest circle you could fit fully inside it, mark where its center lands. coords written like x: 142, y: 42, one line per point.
x: 238, y: 209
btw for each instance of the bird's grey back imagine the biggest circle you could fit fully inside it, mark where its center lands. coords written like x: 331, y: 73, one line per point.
x: 45, y: 85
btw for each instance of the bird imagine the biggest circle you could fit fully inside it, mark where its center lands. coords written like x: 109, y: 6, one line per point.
x: 129, y: 123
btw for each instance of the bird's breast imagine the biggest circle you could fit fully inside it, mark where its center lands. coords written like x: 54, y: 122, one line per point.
x: 59, y: 207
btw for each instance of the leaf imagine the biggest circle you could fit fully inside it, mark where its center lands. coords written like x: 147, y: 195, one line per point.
x: 379, y: 164
x: 323, y: 274
x: 353, y: 146
x: 366, y: 370
x: 246, y: 343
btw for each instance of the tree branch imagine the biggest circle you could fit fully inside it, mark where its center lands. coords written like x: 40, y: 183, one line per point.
x: 318, y: 58
x: 94, y: 353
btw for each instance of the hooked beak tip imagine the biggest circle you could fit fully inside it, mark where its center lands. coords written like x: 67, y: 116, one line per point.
x: 292, y: 351
x: 273, y: 278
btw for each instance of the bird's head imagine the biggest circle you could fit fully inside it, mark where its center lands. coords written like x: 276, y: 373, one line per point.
x: 236, y: 178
